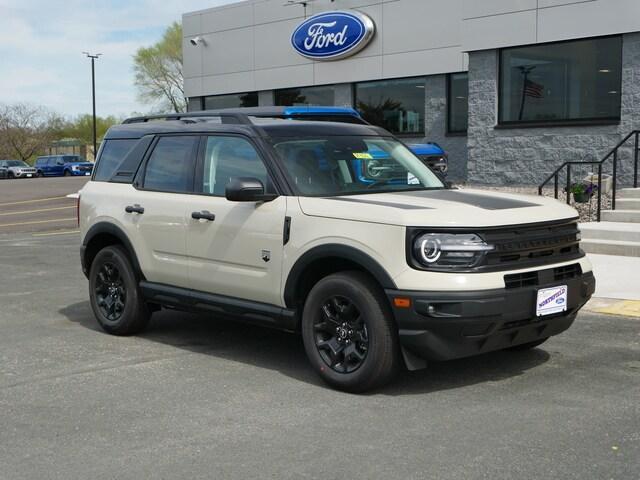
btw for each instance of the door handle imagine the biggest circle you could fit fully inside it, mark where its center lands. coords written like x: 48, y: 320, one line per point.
x: 134, y: 209
x: 203, y: 215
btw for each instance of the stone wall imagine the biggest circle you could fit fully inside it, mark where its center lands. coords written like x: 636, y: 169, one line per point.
x: 526, y: 156
x: 436, y: 127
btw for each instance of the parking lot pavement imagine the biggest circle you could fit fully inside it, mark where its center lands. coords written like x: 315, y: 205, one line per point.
x: 201, y: 397
x: 38, y: 205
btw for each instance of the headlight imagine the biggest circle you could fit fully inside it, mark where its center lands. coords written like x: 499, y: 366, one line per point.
x: 448, y: 250
x: 74, y: 167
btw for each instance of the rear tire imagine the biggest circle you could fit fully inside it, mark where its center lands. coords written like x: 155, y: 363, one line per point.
x: 115, y: 296
x: 349, y: 334
x: 528, y: 346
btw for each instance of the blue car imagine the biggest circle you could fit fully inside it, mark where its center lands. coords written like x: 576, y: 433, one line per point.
x: 63, y: 165
x: 430, y: 153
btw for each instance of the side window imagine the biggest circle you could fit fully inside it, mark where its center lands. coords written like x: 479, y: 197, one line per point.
x: 52, y: 161
x: 171, y: 165
x: 228, y: 157
x: 112, y: 156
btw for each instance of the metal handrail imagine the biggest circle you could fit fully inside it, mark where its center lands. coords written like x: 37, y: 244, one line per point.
x: 613, y: 153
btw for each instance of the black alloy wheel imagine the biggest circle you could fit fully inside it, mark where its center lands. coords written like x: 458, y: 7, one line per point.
x: 349, y: 332
x: 110, y: 292
x: 116, y: 299
x: 341, y: 335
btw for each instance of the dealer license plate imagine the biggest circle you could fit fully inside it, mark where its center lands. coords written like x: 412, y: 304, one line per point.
x: 87, y: 174
x: 29, y: 175
x: 551, y: 300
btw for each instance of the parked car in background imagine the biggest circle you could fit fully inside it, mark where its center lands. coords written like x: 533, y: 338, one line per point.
x: 430, y: 153
x: 16, y: 169
x: 63, y: 165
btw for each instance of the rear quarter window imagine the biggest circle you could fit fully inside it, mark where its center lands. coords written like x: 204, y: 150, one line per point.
x: 113, y: 154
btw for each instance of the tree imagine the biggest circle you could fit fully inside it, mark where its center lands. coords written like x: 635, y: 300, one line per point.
x: 26, y: 130
x: 81, y: 128
x: 158, y: 71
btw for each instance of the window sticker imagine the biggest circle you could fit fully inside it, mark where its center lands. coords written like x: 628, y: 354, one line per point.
x: 412, y: 179
x: 362, y: 156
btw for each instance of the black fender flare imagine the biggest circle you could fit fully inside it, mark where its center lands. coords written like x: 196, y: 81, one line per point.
x: 346, y: 252
x: 110, y: 229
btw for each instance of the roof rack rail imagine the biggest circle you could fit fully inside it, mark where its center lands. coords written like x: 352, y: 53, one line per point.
x: 192, y: 117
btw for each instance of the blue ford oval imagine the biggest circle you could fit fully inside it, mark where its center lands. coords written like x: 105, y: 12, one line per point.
x: 333, y: 35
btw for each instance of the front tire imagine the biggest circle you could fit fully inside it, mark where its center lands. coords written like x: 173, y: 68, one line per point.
x: 115, y: 296
x: 10, y: 176
x: 67, y: 173
x: 349, y: 334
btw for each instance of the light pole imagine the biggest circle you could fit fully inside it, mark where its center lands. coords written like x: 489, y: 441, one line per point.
x: 93, y: 58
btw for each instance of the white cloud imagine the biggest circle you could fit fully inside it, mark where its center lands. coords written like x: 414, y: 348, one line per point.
x: 41, y: 45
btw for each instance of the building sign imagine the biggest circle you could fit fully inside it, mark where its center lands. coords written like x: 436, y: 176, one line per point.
x: 333, y: 35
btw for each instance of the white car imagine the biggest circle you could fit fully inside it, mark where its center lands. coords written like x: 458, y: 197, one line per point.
x: 296, y: 225
x: 17, y: 169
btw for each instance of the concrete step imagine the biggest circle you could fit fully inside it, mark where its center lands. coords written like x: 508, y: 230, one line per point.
x: 611, y: 247
x: 627, y: 216
x: 628, y: 204
x: 628, y: 193
x: 621, y: 231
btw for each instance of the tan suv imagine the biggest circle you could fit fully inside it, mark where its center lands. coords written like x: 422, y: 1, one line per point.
x: 334, y: 230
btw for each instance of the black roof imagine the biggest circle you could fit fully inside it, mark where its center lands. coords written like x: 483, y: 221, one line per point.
x: 265, y: 127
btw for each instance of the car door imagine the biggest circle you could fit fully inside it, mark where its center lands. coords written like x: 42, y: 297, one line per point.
x: 237, y: 250
x: 155, y: 211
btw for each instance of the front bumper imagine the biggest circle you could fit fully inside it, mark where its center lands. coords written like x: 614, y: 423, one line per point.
x: 447, y: 325
x: 81, y: 173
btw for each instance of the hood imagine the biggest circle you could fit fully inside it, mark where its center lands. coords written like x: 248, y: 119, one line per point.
x: 440, y: 208
x: 80, y: 164
x: 426, y: 149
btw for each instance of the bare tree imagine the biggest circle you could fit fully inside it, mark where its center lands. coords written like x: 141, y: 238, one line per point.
x: 158, y: 71
x: 26, y: 130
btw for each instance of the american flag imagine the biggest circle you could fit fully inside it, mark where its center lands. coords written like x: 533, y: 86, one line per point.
x: 533, y: 89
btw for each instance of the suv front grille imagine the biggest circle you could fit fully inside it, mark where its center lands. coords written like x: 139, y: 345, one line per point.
x: 519, y: 247
x: 542, y: 277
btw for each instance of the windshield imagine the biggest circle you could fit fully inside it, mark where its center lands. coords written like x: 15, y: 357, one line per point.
x: 343, y: 165
x: 16, y: 163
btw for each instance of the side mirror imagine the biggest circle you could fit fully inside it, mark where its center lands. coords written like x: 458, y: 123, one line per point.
x: 247, y: 189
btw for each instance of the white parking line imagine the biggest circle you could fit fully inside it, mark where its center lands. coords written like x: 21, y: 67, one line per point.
x: 50, y: 234
x: 37, y: 211
x: 37, y: 222
x: 32, y: 201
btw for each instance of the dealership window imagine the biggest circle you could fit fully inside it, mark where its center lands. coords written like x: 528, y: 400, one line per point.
x: 397, y: 105
x: 322, y: 96
x: 194, y: 104
x: 458, y: 103
x: 214, y: 102
x: 563, y: 82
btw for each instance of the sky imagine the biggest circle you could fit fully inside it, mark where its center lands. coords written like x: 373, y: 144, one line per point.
x: 41, y: 45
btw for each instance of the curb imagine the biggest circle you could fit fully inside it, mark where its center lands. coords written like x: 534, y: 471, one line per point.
x: 612, y: 306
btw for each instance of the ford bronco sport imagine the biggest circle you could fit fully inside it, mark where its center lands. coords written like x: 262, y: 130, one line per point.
x: 305, y: 227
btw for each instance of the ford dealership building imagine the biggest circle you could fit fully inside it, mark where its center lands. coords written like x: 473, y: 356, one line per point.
x: 509, y: 88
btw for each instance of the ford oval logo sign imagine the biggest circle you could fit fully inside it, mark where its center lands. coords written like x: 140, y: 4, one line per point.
x: 333, y: 35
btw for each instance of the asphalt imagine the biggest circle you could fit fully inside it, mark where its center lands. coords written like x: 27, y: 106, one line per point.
x: 203, y: 397
x: 38, y: 204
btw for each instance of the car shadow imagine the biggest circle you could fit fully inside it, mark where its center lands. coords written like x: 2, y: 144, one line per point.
x: 284, y: 352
